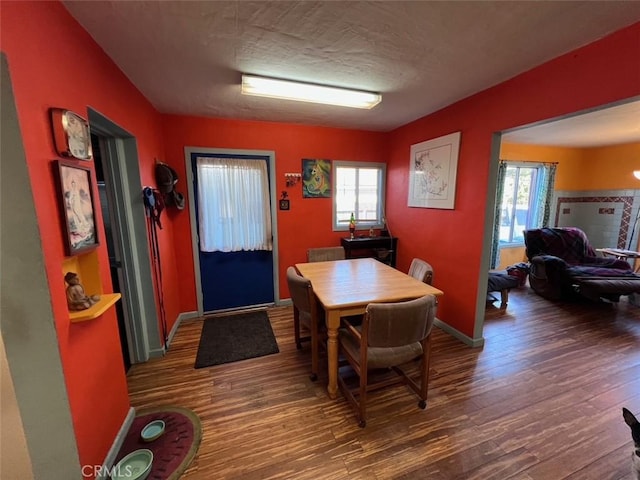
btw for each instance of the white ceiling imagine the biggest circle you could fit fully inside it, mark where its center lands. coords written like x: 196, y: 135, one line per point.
x: 187, y: 57
x: 613, y: 125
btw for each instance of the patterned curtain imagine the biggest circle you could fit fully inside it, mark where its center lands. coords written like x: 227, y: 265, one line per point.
x: 545, y: 192
x: 495, y: 251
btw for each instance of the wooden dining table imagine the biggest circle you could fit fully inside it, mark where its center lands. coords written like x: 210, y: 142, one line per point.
x: 346, y: 287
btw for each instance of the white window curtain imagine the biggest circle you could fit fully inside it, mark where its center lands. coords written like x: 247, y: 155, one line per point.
x: 234, y: 211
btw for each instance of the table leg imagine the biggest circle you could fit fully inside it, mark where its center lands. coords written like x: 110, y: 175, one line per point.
x: 333, y: 323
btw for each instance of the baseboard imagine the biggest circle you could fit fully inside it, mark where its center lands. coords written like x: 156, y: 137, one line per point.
x: 472, y: 342
x: 116, y: 446
x: 187, y: 316
x: 181, y: 317
x: 158, y: 353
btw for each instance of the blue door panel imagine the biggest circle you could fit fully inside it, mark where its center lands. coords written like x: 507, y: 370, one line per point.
x: 234, y: 279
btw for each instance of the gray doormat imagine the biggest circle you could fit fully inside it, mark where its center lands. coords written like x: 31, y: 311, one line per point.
x: 235, y: 337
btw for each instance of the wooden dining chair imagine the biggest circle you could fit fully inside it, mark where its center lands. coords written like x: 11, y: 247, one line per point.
x: 324, y: 254
x: 391, y: 335
x: 306, y: 314
x: 421, y: 270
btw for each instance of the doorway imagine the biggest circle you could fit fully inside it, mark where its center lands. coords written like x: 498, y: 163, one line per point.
x: 105, y: 193
x: 238, y: 279
x: 131, y: 266
x: 602, y: 126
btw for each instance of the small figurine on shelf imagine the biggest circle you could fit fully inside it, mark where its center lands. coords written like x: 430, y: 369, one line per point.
x: 352, y: 225
x: 76, y: 298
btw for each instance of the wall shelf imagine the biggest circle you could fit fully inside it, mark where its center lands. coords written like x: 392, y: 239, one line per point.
x: 107, y: 300
x: 88, y: 269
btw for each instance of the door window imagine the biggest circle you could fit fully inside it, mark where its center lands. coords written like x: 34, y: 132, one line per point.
x: 234, y: 212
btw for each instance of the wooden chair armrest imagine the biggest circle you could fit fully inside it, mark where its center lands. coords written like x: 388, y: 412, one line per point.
x: 353, y: 330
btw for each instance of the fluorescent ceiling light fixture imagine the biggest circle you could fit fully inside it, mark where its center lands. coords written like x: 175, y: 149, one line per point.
x: 307, y: 92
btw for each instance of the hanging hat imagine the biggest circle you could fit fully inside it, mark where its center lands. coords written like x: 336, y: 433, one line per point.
x: 177, y: 199
x: 166, y: 177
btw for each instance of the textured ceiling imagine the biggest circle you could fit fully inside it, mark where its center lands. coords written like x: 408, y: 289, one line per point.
x: 187, y: 57
x: 614, y: 125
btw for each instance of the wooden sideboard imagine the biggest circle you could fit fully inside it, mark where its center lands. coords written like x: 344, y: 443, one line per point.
x: 384, y: 249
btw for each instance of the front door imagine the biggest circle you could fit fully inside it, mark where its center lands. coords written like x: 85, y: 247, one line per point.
x: 231, y: 276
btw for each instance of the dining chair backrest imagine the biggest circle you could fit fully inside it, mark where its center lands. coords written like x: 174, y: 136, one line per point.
x: 306, y: 313
x: 300, y: 290
x: 324, y: 254
x: 397, y: 324
x: 421, y: 270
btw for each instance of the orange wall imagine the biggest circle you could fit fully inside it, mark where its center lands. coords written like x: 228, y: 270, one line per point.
x: 601, y: 168
x: 567, y: 158
x: 53, y: 62
x: 605, y: 168
x: 452, y: 240
x: 308, y: 222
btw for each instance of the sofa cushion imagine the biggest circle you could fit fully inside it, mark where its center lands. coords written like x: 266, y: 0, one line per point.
x: 598, y: 271
x: 563, y: 263
x: 569, y: 243
x: 608, y: 288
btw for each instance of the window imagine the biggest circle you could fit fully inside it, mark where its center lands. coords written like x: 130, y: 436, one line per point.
x: 359, y: 189
x: 519, y: 206
x: 233, y: 204
x: 524, y: 192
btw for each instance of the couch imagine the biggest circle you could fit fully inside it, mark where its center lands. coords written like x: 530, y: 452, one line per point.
x: 563, y: 263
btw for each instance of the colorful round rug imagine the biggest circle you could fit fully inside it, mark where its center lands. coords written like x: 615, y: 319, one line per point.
x: 174, y: 450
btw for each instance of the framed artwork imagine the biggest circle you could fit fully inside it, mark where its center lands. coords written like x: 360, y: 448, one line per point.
x: 76, y: 198
x: 284, y: 205
x: 432, y: 176
x: 284, y: 201
x: 71, y: 134
x: 316, y: 178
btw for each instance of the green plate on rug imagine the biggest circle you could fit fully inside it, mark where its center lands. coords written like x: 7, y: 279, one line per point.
x: 135, y: 466
x: 152, y: 430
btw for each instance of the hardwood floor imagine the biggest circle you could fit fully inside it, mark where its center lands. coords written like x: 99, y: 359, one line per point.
x: 542, y: 400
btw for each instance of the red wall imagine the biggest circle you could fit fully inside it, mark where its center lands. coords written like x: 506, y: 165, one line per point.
x: 47, y: 51
x: 597, y: 74
x: 53, y: 62
x: 308, y: 222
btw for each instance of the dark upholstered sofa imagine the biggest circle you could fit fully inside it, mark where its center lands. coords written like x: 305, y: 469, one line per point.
x: 563, y: 264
